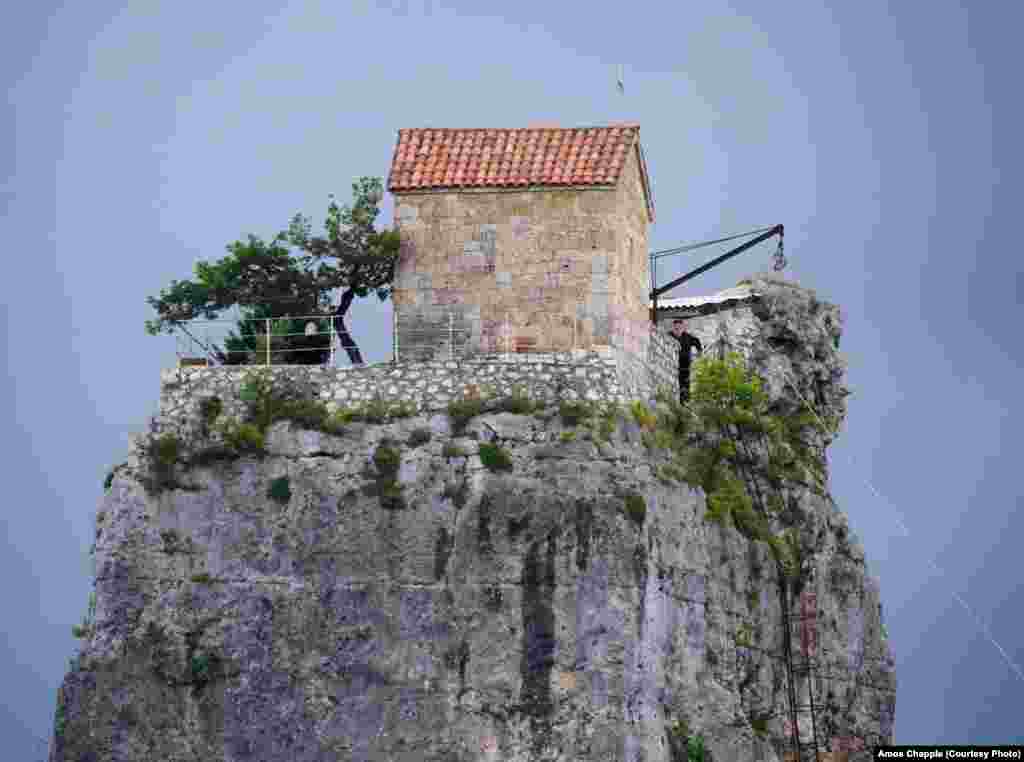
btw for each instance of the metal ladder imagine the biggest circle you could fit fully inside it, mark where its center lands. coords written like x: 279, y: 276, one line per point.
x: 799, y: 666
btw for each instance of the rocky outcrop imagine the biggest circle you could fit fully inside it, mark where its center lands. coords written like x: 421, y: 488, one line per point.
x: 518, y: 590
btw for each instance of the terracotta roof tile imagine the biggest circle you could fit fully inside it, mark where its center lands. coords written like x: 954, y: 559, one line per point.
x: 450, y: 159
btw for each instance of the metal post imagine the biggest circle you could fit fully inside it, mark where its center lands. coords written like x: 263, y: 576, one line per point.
x: 330, y: 338
x: 508, y: 335
x: 394, y: 333
x: 206, y: 335
x: 451, y: 335
x: 268, y: 341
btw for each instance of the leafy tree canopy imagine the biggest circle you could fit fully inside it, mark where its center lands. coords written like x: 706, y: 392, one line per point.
x: 265, y: 280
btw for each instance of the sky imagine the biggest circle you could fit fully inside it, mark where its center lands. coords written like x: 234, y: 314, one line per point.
x: 141, y: 138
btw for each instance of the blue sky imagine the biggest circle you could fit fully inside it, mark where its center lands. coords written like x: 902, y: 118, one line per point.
x: 885, y: 137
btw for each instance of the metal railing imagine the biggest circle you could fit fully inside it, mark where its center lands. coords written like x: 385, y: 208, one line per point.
x: 445, y: 335
x: 205, y: 342
x: 454, y: 336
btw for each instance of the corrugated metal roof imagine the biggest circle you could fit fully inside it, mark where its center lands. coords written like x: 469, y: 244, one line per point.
x: 734, y: 294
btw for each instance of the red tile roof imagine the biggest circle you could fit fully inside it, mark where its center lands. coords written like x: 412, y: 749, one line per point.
x: 449, y: 159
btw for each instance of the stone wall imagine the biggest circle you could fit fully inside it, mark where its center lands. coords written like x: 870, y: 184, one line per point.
x: 548, y: 270
x: 734, y: 330
x: 655, y: 366
x: 607, y: 375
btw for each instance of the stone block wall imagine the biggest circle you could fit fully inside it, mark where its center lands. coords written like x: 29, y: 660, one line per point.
x: 547, y: 270
x: 654, y: 366
x: 607, y: 375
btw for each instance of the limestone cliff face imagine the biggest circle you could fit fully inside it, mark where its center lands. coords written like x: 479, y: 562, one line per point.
x: 525, y: 614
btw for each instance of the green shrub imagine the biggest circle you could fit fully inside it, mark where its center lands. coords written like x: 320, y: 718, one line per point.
x: 387, y: 458
x: 517, y: 402
x: 642, y: 415
x: 744, y: 636
x: 308, y: 414
x: 166, y: 449
x: 59, y: 716
x: 419, y: 437
x: 202, y: 578
x: 200, y: 665
x: 695, y: 749
x: 80, y: 631
x: 402, y: 410
x: 726, y: 501
x: 608, y: 421
x: 670, y: 473
x: 659, y: 440
x: 109, y: 480
x: 574, y: 412
x: 494, y: 457
x: 210, y: 409
x: 374, y: 411
x: 280, y: 490
x: 753, y: 595
x: 257, y: 391
x: 162, y: 453
x: 461, y: 411
x: 451, y: 450
x: 392, y: 497
x: 335, y: 424
x: 680, y: 729
x: 759, y: 722
x: 636, y: 507
x: 244, y: 437
x: 568, y: 436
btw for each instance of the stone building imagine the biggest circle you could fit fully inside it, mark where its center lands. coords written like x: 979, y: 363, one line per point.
x: 521, y: 240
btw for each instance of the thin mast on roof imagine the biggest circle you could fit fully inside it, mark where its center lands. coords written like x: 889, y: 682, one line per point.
x: 621, y: 81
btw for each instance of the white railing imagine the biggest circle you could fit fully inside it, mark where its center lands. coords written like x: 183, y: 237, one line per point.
x: 445, y: 336
x: 200, y: 342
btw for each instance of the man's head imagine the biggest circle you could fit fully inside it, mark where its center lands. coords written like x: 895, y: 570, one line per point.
x: 678, y: 326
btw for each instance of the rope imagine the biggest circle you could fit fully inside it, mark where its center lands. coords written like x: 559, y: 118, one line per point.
x: 701, y: 245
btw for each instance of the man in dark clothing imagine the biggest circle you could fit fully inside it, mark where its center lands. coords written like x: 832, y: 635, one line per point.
x: 686, y: 343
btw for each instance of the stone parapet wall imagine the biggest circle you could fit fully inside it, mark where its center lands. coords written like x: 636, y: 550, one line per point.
x: 652, y: 366
x: 594, y: 375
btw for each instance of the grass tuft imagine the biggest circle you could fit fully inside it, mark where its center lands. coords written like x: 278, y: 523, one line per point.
x: 495, y: 458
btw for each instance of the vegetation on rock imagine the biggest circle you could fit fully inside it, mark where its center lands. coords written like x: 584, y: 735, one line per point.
x: 388, y: 460
x: 575, y: 412
x: 636, y: 507
x: 461, y: 411
x: 747, y: 460
x: 494, y: 457
x: 280, y: 490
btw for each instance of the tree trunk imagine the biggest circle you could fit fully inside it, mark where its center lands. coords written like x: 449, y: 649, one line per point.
x: 347, y: 342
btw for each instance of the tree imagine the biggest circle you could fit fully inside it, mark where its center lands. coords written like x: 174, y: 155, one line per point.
x: 264, y: 280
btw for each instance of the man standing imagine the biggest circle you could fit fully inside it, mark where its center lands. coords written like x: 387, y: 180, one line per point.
x: 687, y: 342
